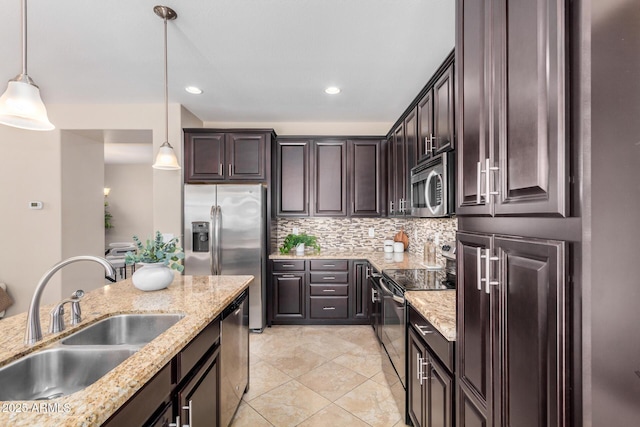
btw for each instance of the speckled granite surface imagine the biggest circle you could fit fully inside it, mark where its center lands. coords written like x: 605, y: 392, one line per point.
x: 438, y: 307
x: 378, y: 259
x: 200, y: 298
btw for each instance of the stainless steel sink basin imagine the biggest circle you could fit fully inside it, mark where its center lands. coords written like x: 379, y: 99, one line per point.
x: 126, y: 329
x: 59, y: 371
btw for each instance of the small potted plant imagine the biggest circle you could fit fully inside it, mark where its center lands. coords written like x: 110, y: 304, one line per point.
x: 299, y: 241
x: 158, y: 258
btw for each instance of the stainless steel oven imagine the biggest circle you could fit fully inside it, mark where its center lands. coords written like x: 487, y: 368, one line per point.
x: 432, y: 186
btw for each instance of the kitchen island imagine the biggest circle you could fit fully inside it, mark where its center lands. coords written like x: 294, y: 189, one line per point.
x: 200, y: 298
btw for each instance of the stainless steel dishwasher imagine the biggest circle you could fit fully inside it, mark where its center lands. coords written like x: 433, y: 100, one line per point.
x: 234, y: 350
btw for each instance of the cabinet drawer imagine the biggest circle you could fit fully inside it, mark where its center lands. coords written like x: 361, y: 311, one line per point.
x: 329, y: 290
x: 191, y: 355
x: 329, y: 265
x: 285, y: 265
x: 329, y: 307
x: 438, y: 344
x: 330, y: 277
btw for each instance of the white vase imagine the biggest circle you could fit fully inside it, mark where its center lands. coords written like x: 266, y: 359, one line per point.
x: 152, y: 277
x: 300, y: 249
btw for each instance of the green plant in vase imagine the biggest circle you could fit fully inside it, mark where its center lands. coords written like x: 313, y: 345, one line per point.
x: 157, y: 251
x: 293, y: 240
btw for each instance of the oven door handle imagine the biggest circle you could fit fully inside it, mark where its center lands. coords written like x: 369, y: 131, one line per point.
x: 395, y: 297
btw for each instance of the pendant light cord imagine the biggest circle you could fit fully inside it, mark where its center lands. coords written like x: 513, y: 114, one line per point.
x: 166, y: 84
x: 24, y: 37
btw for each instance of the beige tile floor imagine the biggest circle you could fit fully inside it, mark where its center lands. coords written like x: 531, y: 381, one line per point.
x: 316, y: 376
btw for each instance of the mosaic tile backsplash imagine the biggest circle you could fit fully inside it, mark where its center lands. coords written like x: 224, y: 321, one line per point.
x: 353, y: 233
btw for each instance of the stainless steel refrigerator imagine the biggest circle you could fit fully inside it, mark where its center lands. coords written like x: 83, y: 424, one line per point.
x: 225, y: 233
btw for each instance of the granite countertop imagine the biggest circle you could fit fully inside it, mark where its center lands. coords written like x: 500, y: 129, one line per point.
x: 200, y: 298
x: 379, y: 260
x: 438, y: 307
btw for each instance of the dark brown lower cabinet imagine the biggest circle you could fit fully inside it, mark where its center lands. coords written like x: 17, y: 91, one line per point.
x: 429, y: 384
x: 289, y: 295
x: 184, y: 392
x: 513, y: 332
x: 198, y: 398
x: 319, y: 291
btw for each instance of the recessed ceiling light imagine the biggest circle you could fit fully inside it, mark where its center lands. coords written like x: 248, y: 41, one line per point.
x: 332, y: 90
x: 194, y: 90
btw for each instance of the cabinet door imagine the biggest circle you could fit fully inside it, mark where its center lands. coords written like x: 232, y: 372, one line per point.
x: 473, y: 96
x: 391, y: 207
x: 443, y: 109
x: 473, y: 366
x: 416, y: 383
x: 532, y: 350
x: 204, y: 157
x: 410, y: 154
x: 292, y: 194
x: 365, y: 173
x: 289, y: 296
x: 399, y: 170
x: 425, y: 126
x: 246, y: 156
x: 439, y: 396
x: 330, y: 178
x: 359, y: 293
x: 198, y: 399
x: 530, y: 65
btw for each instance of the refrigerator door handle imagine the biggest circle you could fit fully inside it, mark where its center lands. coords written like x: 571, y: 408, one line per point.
x: 213, y: 241
x: 218, y: 240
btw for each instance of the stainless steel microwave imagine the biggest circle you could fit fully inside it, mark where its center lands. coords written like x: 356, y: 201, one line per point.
x: 432, y: 187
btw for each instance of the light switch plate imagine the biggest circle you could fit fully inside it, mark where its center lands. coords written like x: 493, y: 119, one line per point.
x: 372, y: 232
x: 295, y: 230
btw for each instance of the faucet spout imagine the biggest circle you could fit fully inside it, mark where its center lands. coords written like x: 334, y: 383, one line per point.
x: 33, y: 333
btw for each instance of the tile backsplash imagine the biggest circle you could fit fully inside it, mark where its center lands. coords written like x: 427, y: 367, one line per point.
x: 353, y: 233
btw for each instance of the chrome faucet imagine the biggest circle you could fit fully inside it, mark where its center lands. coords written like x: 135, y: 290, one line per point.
x: 57, y: 314
x: 34, y: 328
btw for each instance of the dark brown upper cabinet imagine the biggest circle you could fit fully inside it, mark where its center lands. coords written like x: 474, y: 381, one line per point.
x: 436, y: 125
x: 511, y: 66
x: 330, y: 178
x: 366, y: 189
x: 216, y: 155
x: 399, y: 171
x: 410, y: 156
x: 292, y: 177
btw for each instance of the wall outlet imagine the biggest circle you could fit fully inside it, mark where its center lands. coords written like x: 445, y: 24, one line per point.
x: 295, y: 230
x: 372, y: 232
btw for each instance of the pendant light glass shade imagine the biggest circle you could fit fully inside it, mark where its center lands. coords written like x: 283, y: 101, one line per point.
x: 21, y: 105
x: 166, y: 158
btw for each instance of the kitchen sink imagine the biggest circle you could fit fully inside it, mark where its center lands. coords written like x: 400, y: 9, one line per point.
x: 125, y: 329
x: 57, y: 372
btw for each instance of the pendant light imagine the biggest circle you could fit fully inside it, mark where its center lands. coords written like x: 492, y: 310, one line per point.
x: 21, y: 105
x: 166, y: 158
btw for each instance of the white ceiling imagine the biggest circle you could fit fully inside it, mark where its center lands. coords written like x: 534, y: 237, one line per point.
x: 256, y: 60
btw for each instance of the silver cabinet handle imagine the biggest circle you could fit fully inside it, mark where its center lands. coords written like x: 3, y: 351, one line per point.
x: 328, y: 265
x: 288, y: 265
x: 190, y: 409
x: 328, y: 290
x: 487, y: 259
x: 424, y: 330
x: 478, y: 183
x: 390, y: 206
x: 329, y: 278
x: 421, y: 365
x: 328, y: 308
x: 374, y: 295
x: 177, y: 423
x: 367, y: 272
x: 288, y: 276
x: 479, y: 267
x: 220, y: 172
x: 230, y: 170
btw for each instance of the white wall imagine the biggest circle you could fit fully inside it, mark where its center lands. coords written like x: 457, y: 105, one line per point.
x: 32, y: 240
x: 310, y: 128
x: 130, y: 201
x: 82, y: 167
